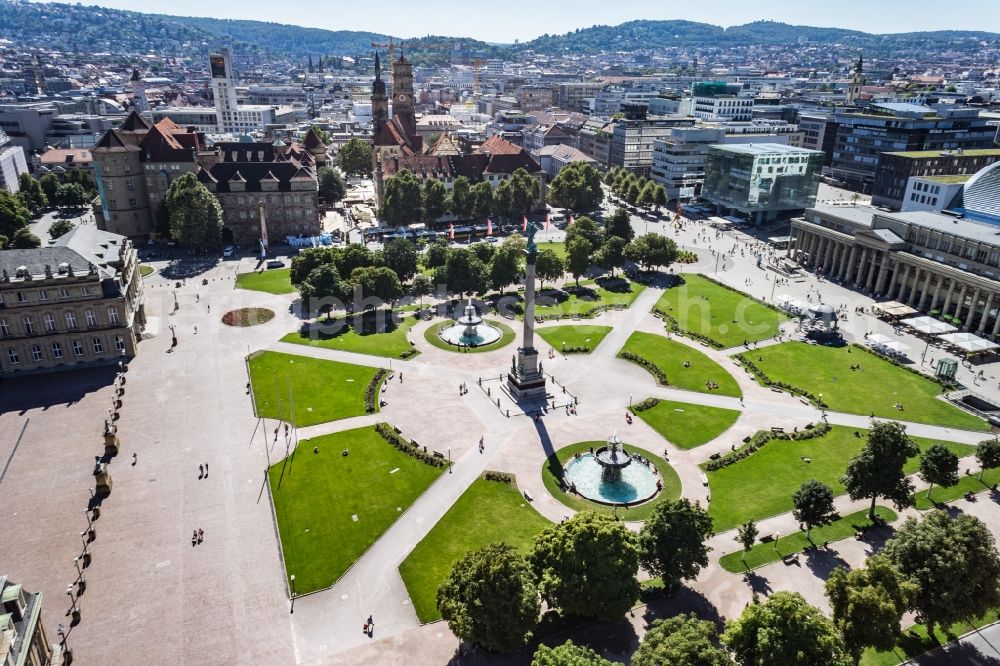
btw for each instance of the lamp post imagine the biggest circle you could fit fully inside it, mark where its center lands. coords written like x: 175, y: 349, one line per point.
x: 292, y: 580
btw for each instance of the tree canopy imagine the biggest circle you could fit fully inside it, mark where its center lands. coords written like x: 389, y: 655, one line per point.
x: 682, y: 640
x: 323, y: 289
x: 672, y: 541
x: 652, y: 251
x: 195, y: 214
x: 938, y: 466
x: 400, y: 255
x: 568, y: 654
x: 785, y: 630
x: 587, y: 565
x: 402, y: 200
x: 877, y: 471
x: 23, y: 239
x: 355, y: 158
x: 14, y: 215
x: 620, y: 225
x: 988, y: 455
x: 549, y: 266
x: 578, y: 253
x: 331, y: 186
x: 490, y: 598
x: 813, y: 503
x: 505, y: 265
x: 31, y: 193
x: 577, y: 187
x: 60, y: 228
x: 953, y: 562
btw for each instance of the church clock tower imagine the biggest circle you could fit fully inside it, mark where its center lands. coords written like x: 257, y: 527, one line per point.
x: 402, y: 95
x: 854, y: 90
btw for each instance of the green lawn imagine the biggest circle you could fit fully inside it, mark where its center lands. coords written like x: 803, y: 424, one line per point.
x: 558, y: 247
x: 705, y: 308
x: 320, y: 390
x: 326, y: 511
x: 146, y: 269
x: 487, y: 512
x: 581, y: 301
x: 966, y: 484
x: 687, y: 426
x: 274, y: 281
x: 796, y: 542
x: 876, y: 387
x: 574, y: 336
x: 553, y: 467
x: 669, y: 356
x: 915, y: 640
x: 341, y: 334
x: 761, y: 485
x: 506, y: 337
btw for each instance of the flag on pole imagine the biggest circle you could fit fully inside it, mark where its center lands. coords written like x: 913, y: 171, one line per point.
x: 489, y: 227
x: 524, y: 223
x: 548, y: 223
x: 451, y: 231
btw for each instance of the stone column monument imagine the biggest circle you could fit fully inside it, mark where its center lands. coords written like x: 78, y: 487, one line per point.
x: 526, y: 381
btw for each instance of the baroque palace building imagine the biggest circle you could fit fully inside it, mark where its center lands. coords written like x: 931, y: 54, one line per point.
x: 75, y: 303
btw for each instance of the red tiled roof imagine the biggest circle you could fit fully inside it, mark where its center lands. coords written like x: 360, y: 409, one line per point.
x: 496, y: 145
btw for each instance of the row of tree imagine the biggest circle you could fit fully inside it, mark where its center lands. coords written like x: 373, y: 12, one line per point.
x: 406, y: 200
x: 587, y: 244
x: 636, y: 190
x: 74, y: 190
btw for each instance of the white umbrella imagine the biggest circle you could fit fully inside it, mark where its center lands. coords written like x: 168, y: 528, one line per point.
x: 968, y: 342
x: 879, y: 339
x: 928, y: 325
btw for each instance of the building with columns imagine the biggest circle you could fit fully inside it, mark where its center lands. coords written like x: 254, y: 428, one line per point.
x: 937, y: 262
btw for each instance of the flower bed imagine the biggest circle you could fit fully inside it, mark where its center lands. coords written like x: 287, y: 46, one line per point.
x: 247, y: 317
x: 651, y: 367
x: 759, y: 439
x: 390, y: 435
x: 371, y: 393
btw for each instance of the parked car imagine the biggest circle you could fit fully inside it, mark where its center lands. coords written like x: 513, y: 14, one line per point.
x: 275, y: 263
x: 228, y: 251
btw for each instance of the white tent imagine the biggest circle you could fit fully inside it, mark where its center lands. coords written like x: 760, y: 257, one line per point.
x: 928, y: 325
x: 968, y: 342
x: 896, y: 347
x: 879, y: 339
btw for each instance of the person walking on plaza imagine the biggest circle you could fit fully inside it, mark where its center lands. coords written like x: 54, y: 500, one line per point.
x: 201, y: 471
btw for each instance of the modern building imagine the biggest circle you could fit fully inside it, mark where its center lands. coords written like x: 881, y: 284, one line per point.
x: 936, y: 262
x: 817, y: 131
x: 761, y: 181
x: 570, y: 95
x: 718, y: 100
x: 894, y: 170
x: 980, y: 196
x: 75, y: 303
x: 932, y: 192
x: 231, y: 116
x: 534, y: 98
x: 632, y: 138
x: 594, y: 139
x: 897, y: 127
x: 22, y: 635
x: 12, y: 164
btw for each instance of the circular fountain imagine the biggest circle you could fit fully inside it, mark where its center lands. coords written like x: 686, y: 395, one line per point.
x: 469, y: 330
x: 611, y: 475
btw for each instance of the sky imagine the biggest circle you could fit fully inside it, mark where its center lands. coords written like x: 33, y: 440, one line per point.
x: 499, y: 22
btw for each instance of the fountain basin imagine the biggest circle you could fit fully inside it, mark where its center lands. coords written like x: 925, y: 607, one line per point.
x: 483, y: 334
x: 636, y: 483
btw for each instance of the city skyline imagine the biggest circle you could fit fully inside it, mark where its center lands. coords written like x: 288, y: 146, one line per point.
x: 395, y: 17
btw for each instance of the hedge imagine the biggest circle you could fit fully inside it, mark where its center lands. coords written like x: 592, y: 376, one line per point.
x: 390, y: 435
x: 502, y: 477
x: 674, y: 326
x: 648, y: 403
x: 653, y: 369
x: 767, y: 381
x: 762, y: 437
x: 371, y: 393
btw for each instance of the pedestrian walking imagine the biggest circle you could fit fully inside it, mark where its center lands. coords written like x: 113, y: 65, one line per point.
x: 201, y: 471
x: 135, y: 459
x: 400, y: 377
x: 201, y: 535
x: 206, y: 469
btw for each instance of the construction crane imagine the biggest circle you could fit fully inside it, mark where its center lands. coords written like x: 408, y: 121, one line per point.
x: 392, y: 51
x: 477, y: 63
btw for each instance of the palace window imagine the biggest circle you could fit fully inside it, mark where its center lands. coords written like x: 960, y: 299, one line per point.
x: 29, y: 325
x: 71, y: 321
x: 91, y: 318
x: 57, y: 350
x: 36, y: 353
x: 77, y: 348
x: 12, y: 356
x: 98, y: 345
x: 50, y: 322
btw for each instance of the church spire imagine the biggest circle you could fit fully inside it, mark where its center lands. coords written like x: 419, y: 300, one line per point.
x: 378, y: 67
x: 861, y: 64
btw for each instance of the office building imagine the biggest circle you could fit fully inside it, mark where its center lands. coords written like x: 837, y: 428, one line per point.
x: 900, y: 127
x: 936, y: 262
x: 931, y: 192
x: 232, y: 117
x: 632, y: 138
x: 817, y: 131
x: 12, y: 164
x: 761, y: 181
x: 894, y: 170
x: 717, y: 100
x: 75, y: 303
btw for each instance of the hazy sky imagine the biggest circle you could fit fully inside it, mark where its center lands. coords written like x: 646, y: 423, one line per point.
x: 503, y: 22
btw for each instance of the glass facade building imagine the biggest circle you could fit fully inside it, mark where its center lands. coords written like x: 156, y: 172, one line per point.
x: 759, y: 181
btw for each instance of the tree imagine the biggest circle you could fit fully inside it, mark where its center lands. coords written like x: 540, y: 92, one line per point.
x: 549, y: 266
x: 321, y: 287
x: 953, y: 562
x: 4, y: 242
x: 309, y: 259
x: 611, y: 255
x: 14, y: 215
x: 460, y: 201
x: 784, y: 630
x: 331, y: 186
x: 436, y: 254
x: 633, y: 192
x: 682, y: 640
x: 23, y: 239
x: 672, y: 541
x: 60, y: 228
x: 422, y: 286
x: 877, y: 471
x: 162, y: 219
x: 652, y: 251
x: 813, y: 503
x: 482, y: 199
x: 523, y: 192
x: 578, y: 257
x: 587, y: 566
x: 355, y: 158
x: 645, y: 198
x: 938, y: 466
x: 195, y: 214
x: 659, y: 196
x: 505, y: 266
x: 70, y: 195
x: 354, y: 256
x: 49, y: 184
x: 584, y: 227
x: 464, y: 272
x: 577, y: 187
x: 620, y: 225
x: 376, y: 282
x: 402, y: 200
x: 868, y: 604
x: 435, y: 200
x: 483, y: 251
x: 988, y: 455
x: 400, y: 255
x: 503, y: 200
x: 323, y: 135
x: 490, y: 598
x: 31, y: 193
x: 568, y: 654
x: 746, y: 536
x: 83, y: 179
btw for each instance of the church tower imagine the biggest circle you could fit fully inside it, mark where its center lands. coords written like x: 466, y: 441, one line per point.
x: 380, y: 102
x: 139, y: 101
x: 402, y: 95
x: 854, y: 90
